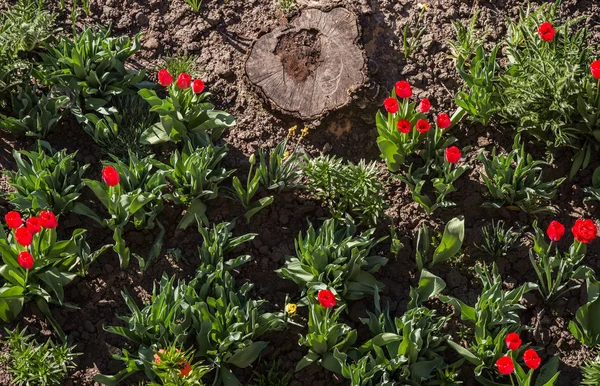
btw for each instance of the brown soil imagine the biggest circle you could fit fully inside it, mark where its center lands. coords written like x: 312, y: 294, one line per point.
x: 222, y: 34
x: 300, y: 53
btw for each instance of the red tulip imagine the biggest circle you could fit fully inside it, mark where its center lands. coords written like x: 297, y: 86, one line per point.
x: 546, y: 31
x: 391, y: 105
x: 34, y: 225
x: 164, y: 78
x: 25, y: 260
x: 443, y: 121
x: 584, y: 231
x: 48, y: 220
x: 13, y: 220
x: 110, y: 176
x: 23, y: 236
x: 404, y: 126
x: 197, y: 86
x: 185, y: 370
x: 513, y: 341
x: 453, y: 154
x: 531, y: 359
x: 555, y: 230
x: 422, y: 126
x: 595, y: 69
x: 184, y: 81
x: 505, y: 365
x: 403, y: 89
x: 424, y: 105
x: 326, y: 298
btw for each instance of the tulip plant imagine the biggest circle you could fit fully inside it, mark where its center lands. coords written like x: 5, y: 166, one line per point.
x: 558, y: 271
x: 196, y: 175
x: 586, y: 326
x: 130, y: 192
x: 494, y: 315
x: 515, y: 180
x: 336, y: 257
x: 184, y: 113
x: 449, y: 246
x: 46, y: 180
x: 325, y: 334
x: 36, y: 113
x: 446, y: 174
x: 91, y: 65
x: 246, y: 194
x: 176, y: 368
x: 507, y: 365
x: 397, y: 139
x: 35, y: 266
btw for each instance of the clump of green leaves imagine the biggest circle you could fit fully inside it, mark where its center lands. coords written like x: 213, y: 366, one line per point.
x: 515, y: 180
x: 406, y: 349
x: 92, y: 66
x: 593, y: 192
x: 591, y: 372
x: 479, y: 96
x: 280, y: 169
x: 271, y: 375
x: 121, y: 132
x: 497, y: 239
x: 586, y: 326
x: 446, y: 248
x: 412, y: 34
x: 468, y: 39
x: 246, y: 194
x: 46, y: 179
x: 24, y: 26
x: 32, y: 363
x: 335, y: 257
x: 35, y: 113
x: 542, y: 80
x: 196, y: 175
x: 346, y: 188
x: 182, y: 63
x: 287, y: 6
x: 218, y: 317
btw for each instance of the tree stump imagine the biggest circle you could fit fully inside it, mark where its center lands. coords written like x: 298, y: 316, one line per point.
x: 311, y: 65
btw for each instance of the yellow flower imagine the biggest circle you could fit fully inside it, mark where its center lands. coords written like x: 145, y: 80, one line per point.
x: 292, y: 131
x: 286, y: 154
x: 304, y: 131
x: 423, y: 6
x: 291, y: 308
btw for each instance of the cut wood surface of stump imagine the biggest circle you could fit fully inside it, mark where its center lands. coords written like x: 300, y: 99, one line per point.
x: 311, y: 65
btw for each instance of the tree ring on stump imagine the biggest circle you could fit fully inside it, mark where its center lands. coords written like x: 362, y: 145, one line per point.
x: 311, y: 65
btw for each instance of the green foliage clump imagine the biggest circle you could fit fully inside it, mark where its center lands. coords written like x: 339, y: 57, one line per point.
x: 32, y: 363
x: 196, y: 175
x: 346, y: 188
x: 271, y: 375
x: 90, y: 67
x: 542, y: 80
x: 24, y: 27
x: 121, y: 131
x: 515, y: 180
x: 36, y: 113
x: 45, y: 180
x: 591, y: 372
x: 336, y: 257
x: 497, y: 239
